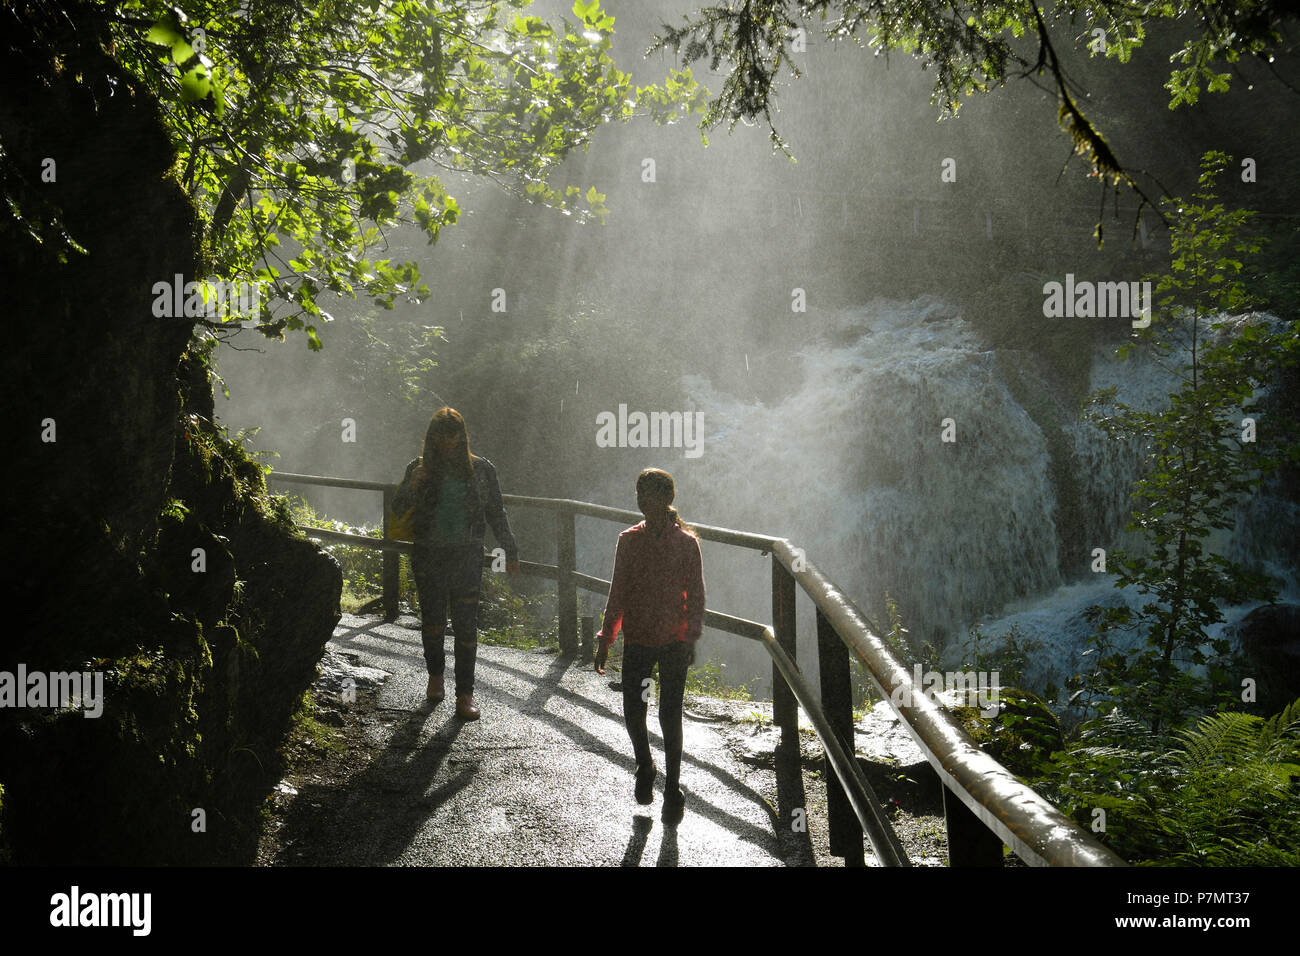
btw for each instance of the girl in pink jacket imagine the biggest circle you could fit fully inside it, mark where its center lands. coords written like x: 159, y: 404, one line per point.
x: 657, y: 597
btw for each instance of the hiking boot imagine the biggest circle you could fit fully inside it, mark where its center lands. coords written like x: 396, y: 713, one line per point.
x: 465, y: 708
x: 674, y: 805
x: 645, y: 784
x: 436, y: 692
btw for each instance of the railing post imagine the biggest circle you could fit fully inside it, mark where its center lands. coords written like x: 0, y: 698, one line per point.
x: 390, y: 572
x: 970, y: 842
x: 837, y: 705
x: 566, y: 589
x: 785, y: 709
x: 588, y: 649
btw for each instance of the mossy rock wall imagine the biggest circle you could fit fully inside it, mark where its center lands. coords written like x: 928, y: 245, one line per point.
x: 202, y: 671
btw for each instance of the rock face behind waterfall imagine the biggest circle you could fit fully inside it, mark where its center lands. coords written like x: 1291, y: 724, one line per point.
x: 1270, y: 635
x: 119, y: 477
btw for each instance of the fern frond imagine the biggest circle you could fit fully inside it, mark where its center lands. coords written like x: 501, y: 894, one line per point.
x: 1280, y: 734
x: 1231, y: 738
x: 1226, y: 797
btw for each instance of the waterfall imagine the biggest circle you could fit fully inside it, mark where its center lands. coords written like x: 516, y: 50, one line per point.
x: 853, y: 466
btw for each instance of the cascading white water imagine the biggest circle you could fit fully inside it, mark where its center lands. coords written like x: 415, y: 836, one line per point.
x: 1104, y: 467
x: 853, y: 466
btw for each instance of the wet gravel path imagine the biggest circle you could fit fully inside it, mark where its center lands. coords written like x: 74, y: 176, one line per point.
x: 544, y: 778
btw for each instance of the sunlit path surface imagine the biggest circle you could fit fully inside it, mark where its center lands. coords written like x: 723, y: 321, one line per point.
x: 544, y: 778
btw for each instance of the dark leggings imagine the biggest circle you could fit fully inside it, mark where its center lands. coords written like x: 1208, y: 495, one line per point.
x: 638, y: 661
x: 446, y: 576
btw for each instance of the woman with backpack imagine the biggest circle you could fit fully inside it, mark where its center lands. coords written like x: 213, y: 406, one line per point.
x: 455, y: 496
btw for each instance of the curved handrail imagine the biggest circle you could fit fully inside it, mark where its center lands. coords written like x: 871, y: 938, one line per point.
x: 1034, y: 829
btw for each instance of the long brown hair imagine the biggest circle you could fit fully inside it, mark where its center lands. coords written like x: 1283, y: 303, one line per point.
x: 444, y: 421
x: 656, y: 479
x: 460, y: 462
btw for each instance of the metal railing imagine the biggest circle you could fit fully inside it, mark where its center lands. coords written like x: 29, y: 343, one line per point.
x: 985, y: 805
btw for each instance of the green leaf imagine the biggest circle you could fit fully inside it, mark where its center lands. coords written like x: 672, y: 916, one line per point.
x: 165, y: 33
x: 195, y: 85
